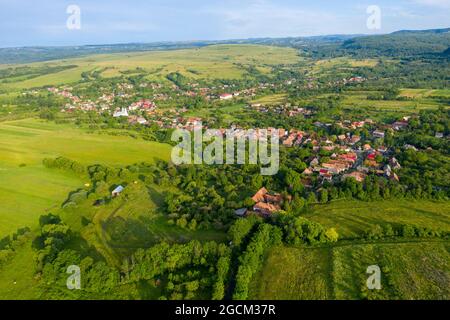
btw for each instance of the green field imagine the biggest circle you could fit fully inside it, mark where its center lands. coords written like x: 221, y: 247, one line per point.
x: 273, y: 99
x: 424, y: 93
x: 408, y: 271
x: 211, y: 62
x: 17, y: 277
x: 293, y: 274
x: 351, y: 218
x: 28, y: 189
x: 359, y: 100
x: 411, y: 268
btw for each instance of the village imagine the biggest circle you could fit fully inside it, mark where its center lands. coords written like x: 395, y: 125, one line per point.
x: 357, y: 152
x: 334, y: 157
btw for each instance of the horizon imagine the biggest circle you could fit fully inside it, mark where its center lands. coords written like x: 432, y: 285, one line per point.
x: 113, y: 22
x: 218, y: 41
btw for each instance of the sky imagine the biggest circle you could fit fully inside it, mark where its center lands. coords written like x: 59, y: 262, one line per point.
x: 44, y: 22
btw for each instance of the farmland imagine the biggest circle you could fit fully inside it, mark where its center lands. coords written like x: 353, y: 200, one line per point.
x: 409, y: 271
x: 361, y: 174
x: 352, y: 218
x: 221, y: 61
x: 29, y: 189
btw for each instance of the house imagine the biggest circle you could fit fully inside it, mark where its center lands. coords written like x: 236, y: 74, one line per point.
x: 327, y: 177
x: 141, y: 120
x: 398, y: 125
x: 314, y: 162
x: 357, y: 175
x: 354, y: 139
x: 410, y: 147
x: 117, y: 191
x: 122, y: 113
x: 439, y: 135
x: 378, y: 134
x: 226, y: 96
x: 265, y: 209
x: 241, y: 212
x: 289, y: 141
x: 259, y: 196
x: 382, y: 149
x: 394, y: 164
x: 266, y: 203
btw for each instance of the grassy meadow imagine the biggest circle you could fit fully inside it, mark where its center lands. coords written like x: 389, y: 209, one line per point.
x: 211, y: 62
x: 273, y: 99
x: 28, y: 189
x: 408, y: 271
x: 351, y: 218
x: 411, y: 268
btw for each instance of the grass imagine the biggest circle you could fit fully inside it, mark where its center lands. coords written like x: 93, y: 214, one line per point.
x: 17, y: 278
x: 408, y: 271
x: 424, y: 93
x: 128, y: 222
x: 358, y: 100
x: 28, y: 189
x: 341, y: 65
x: 351, y: 218
x: 29, y: 192
x: 293, y: 274
x: 29, y: 141
x: 273, y: 99
x: 411, y: 268
x: 211, y: 62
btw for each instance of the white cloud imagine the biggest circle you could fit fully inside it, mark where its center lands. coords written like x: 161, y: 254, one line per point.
x: 434, y: 3
x: 263, y: 18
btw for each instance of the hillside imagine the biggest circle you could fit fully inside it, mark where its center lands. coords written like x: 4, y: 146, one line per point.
x: 400, y: 43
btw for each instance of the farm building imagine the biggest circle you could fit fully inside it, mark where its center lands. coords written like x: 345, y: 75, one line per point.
x: 117, y: 191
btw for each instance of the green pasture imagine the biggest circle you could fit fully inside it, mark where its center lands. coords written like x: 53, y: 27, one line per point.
x: 211, y: 62
x: 419, y: 270
x: 28, y: 189
x: 351, y: 218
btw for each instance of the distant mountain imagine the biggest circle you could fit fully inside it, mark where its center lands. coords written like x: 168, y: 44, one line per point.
x: 401, y: 43
x: 445, y: 30
x: 397, y: 44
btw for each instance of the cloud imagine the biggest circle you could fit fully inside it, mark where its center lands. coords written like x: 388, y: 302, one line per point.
x: 434, y: 3
x: 264, y: 18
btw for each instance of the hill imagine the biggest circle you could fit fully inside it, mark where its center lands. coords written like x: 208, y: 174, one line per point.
x: 401, y: 43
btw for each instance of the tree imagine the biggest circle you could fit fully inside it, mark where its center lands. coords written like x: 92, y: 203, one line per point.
x: 324, y: 196
x: 332, y: 235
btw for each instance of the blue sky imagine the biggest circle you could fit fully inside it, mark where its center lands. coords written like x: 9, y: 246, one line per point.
x: 43, y: 22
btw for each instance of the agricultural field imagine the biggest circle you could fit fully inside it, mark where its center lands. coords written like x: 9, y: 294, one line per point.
x: 219, y: 61
x: 96, y: 187
x: 408, y: 271
x: 28, y: 189
x: 29, y: 141
x: 411, y: 269
x: 293, y: 274
x: 424, y: 93
x: 341, y: 65
x: 269, y: 100
x: 351, y: 218
x: 359, y: 100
